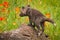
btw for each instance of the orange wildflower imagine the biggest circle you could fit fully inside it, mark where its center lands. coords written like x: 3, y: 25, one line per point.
x: 17, y: 9
x: 48, y: 15
x: 5, y: 4
x: 1, y: 5
x: 2, y: 18
x: 3, y: 10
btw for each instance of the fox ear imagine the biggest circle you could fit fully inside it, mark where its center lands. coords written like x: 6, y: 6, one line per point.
x: 23, y: 7
x: 28, y: 5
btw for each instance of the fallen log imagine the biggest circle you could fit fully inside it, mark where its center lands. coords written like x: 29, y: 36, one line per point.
x: 24, y: 32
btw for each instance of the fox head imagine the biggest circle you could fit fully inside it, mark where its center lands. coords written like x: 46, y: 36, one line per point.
x: 25, y: 10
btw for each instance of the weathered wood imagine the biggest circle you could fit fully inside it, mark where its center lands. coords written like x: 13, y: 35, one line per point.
x: 24, y: 32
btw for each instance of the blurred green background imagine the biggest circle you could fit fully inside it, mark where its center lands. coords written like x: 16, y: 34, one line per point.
x: 10, y: 19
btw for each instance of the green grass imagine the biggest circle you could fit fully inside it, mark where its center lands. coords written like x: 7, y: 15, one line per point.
x: 45, y: 6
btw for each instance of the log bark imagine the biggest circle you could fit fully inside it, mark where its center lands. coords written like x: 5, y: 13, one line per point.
x: 24, y: 32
